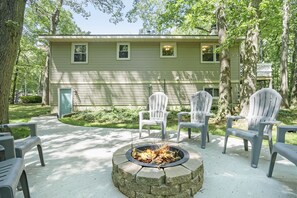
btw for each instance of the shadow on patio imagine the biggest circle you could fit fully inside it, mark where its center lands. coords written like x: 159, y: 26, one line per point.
x: 78, y: 164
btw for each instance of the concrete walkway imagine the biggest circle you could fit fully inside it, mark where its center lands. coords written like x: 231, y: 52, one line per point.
x: 78, y: 164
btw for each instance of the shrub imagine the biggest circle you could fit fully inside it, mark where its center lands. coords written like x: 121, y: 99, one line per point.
x: 31, y: 99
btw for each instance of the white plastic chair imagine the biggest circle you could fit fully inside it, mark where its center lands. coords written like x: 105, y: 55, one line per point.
x: 157, y: 113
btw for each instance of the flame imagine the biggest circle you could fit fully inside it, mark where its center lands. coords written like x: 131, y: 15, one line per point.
x: 158, y: 156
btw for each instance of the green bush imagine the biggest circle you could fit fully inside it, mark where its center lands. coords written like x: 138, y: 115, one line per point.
x: 31, y: 99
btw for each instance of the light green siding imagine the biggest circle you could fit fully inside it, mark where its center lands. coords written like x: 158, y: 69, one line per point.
x: 106, y: 81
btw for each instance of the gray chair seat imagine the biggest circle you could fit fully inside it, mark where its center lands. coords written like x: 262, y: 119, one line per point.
x: 242, y: 133
x: 287, y: 150
x: 22, y: 146
x: 191, y: 125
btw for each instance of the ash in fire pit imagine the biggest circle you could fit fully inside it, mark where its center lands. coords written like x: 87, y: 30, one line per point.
x: 159, y: 156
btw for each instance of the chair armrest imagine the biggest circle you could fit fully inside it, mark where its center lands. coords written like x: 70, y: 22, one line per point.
x: 181, y: 114
x: 141, y: 114
x: 281, y: 132
x: 262, y: 125
x: 30, y: 125
x: 230, y: 119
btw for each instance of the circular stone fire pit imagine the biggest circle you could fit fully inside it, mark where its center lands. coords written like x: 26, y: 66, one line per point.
x: 183, y: 179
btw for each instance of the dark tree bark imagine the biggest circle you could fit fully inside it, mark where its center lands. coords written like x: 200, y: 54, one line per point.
x: 225, y: 99
x: 15, y: 78
x: 250, y: 60
x: 294, y: 72
x: 284, y: 55
x: 11, y: 25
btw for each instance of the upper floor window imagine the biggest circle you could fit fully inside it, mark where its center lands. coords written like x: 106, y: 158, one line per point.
x: 123, y: 51
x: 209, y: 54
x: 214, y: 92
x: 79, y: 53
x: 168, y: 50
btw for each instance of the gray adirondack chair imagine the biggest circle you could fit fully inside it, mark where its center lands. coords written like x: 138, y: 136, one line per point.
x: 263, y: 109
x: 22, y: 146
x: 287, y: 150
x: 12, y: 170
x: 200, y: 112
x: 157, y: 113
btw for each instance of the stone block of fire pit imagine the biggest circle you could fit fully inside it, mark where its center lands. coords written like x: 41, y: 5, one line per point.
x: 135, y: 181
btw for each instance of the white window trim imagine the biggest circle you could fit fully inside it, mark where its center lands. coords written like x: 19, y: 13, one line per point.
x: 175, y: 50
x: 214, y: 97
x: 72, y: 53
x: 214, y: 54
x: 118, y: 50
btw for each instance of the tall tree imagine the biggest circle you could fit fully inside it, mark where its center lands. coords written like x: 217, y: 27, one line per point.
x: 294, y: 71
x: 284, y: 55
x: 250, y: 56
x: 11, y: 25
x: 225, y: 99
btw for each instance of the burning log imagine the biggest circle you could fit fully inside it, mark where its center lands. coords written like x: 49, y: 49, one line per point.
x: 161, y: 155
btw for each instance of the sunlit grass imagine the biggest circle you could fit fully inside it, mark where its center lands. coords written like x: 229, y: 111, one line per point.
x: 24, y: 113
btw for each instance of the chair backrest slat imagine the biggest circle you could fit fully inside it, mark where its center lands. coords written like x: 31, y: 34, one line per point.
x: 157, y: 105
x: 264, y: 106
x: 200, y: 105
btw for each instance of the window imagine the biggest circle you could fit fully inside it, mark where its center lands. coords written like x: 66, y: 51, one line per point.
x: 168, y: 50
x: 79, y: 53
x: 123, y: 51
x: 208, y: 53
x: 214, y: 92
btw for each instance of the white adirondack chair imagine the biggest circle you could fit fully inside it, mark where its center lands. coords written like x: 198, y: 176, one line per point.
x: 157, y: 113
x: 200, y: 112
x: 263, y: 109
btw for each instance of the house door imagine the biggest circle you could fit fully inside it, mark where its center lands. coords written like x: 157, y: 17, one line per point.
x: 65, y: 102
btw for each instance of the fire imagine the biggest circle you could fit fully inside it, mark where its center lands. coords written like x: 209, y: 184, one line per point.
x: 161, y: 155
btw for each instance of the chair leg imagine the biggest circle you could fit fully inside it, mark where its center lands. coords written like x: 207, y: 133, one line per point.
x: 256, y: 150
x: 203, y: 138
x: 272, y: 162
x: 207, y: 136
x: 178, y: 133
x: 140, y: 129
x: 24, y: 184
x: 40, y: 155
x: 163, y: 128
x: 189, y: 133
x: 225, y: 143
x: 270, y: 145
x: 245, y: 142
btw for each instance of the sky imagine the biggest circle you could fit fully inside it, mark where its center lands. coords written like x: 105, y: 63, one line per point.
x: 98, y: 22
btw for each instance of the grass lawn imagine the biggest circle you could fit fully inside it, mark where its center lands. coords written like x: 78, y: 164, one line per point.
x: 128, y: 118
x: 24, y: 113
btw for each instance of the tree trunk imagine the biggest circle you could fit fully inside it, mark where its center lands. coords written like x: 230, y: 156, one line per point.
x: 284, y: 55
x: 55, y: 18
x: 225, y: 99
x: 11, y: 25
x: 250, y: 60
x: 294, y: 71
x: 15, y: 78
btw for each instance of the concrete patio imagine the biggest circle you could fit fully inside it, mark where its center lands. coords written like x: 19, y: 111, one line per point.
x: 78, y: 164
